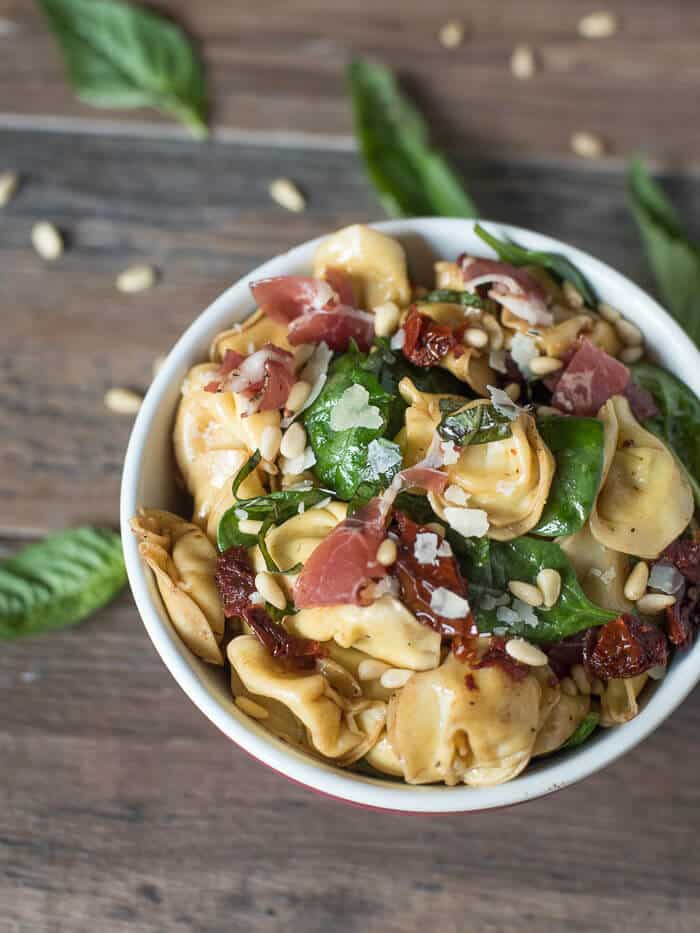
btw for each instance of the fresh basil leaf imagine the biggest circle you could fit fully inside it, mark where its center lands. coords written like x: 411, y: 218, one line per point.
x: 556, y: 263
x: 417, y: 507
x: 59, y: 581
x: 410, y: 177
x: 674, y: 259
x: 451, y: 296
x: 490, y: 565
x: 479, y: 425
x: 245, y: 471
x: 577, y: 445
x: 123, y: 56
x: 448, y: 406
x: 583, y: 731
x: 678, y: 421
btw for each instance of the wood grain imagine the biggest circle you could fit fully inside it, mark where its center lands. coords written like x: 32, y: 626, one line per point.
x: 268, y: 61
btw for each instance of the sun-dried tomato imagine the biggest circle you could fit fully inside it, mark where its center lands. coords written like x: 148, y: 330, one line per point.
x: 236, y: 581
x: 624, y: 647
x: 419, y: 581
x: 683, y: 618
x: 426, y: 341
x: 301, y: 652
x: 497, y: 656
x: 684, y: 553
x: 564, y: 654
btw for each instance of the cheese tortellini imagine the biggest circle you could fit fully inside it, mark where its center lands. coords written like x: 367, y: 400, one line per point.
x: 601, y: 571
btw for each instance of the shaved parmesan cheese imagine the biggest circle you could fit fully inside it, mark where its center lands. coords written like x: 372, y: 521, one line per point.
x: 490, y: 602
x: 470, y: 523
x: 354, y: 411
x: 425, y: 548
x: 497, y: 361
x: 256, y: 599
x: 315, y: 372
x: 506, y: 615
x: 504, y: 404
x: 456, y: 495
x: 526, y: 613
x: 292, y: 466
x: 523, y: 349
x: 450, y: 454
x: 447, y: 604
x: 240, y: 514
x: 444, y: 550
x: 383, y: 456
x: 666, y: 578
x: 398, y: 340
x: 387, y: 586
x: 324, y: 503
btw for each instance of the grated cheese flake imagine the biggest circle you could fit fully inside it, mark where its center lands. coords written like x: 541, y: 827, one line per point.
x: 398, y: 340
x: 293, y: 466
x: 354, y: 411
x: 523, y: 349
x: 666, y: 578
x: 447, y: 604
x: 383, y: 456
x: 425, y: 548
x: 470, y: 523
x: 504, y: 404
x: 456, y: 495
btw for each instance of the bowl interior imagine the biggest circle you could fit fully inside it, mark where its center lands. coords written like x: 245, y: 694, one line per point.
x: 148, y: 480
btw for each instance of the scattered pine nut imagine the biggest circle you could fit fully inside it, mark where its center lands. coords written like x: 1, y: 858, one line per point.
x: 9, y: 183
x: 386, y: 319
x: 436, y: 528
x: 287, y: 195
x: 369, y: 669
x: 136, y: 279
x: 493, y: 329
x: 270, y: 590
x: 526, y: 653
x: 512, y: 390
x: 475, y: 337
x: 580, y: 678
x: 303, y: 353
x: 522, y: 62
x: 549, y: 582
x: 123, y: 401
x: 653, y: 603
x: 628, y: 333
x: 269, y: 467
x: 299, y: 394
x: 249, y: 526
x: 572, y: 295
x: 387, y: 552
x: 544, y: 365
x: 607, y: 312
x: 251, y: 708
x: 47, y: 240
x: 587, y: 145
x: 529, y: 594
x: 568, y: 687
x: 631, y: 354
x: 270, y: 441
x: 451, y: 34
x: 293, y: 441
x: 395, y: 677
x: 600, y: 24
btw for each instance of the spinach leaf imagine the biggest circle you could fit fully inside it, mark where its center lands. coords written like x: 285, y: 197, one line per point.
x: 583, y: 731
x: 577, y: 445
x: 59, y: 581
x: 452, y: 297
x: 346, y: 459
x: 489, y: 565
x: 410, y: 177
x: 479, y: 425
x: 123, y: 56
x: 678, y: 421
x: 556, y: 263
x: 674, y: 259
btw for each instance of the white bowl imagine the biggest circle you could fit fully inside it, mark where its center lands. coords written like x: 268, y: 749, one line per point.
x: 148, y: 480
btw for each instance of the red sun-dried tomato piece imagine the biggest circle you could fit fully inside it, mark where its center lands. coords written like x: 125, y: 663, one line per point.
x: 419, y: 581
x: 426, y: 341
x: 497, y: 656
x: 624, y: 647
x: 683, y: 617
x: 236, y: 582
x: 684, y: 554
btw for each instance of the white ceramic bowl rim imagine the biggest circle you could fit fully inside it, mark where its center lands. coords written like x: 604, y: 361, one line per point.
x: 670, y: 346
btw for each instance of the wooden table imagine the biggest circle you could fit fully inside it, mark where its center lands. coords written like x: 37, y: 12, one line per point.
x: 121, y: 807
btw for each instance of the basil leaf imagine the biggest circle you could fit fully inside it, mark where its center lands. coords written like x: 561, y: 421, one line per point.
x: 479, y: 425
x: 558, y: 264
x: 490, y: 565
x: 678, y: 421
x: 244, y: 472
x: 411, y: 178
x: 59, y: 581
x: 416, y: 507
x: 123, y: 56
x: 452, y: 297
x: 674, y: 259
x: 577, y: 445
x: 583, y: 731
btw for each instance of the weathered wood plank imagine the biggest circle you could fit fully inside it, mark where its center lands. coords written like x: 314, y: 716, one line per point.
x: 268, y: 63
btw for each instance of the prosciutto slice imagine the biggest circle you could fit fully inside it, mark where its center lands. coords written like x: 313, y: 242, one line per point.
x: 286, y: 297
x: 341, y: 283
x: 336, y: 327
x: 264, y: 379
x: 428, y: 478
x: 512, y: 287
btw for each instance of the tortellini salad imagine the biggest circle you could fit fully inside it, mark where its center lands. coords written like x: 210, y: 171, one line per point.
x: 436, y: 530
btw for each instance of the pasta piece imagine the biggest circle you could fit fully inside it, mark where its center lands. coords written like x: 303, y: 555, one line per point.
x: 564, y: 719
x: 249, y: 336
x: 601, y: 571
x: 382, y: 757
x: 618, y: 703
x: 183, y: 563
x: 645, y: 500
x: 375, y: 261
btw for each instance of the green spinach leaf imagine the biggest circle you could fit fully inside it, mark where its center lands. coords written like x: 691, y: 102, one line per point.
x: 678, y: 421
x: 555, y: 263
x: 119, y: 55
x: 479, y: 425
x: 452, y: 297
x: 577, y: 445
x: 674, y: 259
x: 410, y: 177
x: 59, y: 581
x: 583, y: 731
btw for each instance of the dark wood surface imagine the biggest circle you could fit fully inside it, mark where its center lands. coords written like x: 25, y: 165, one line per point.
x: 121, y: 807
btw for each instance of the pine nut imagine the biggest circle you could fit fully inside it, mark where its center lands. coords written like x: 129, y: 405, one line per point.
x: 572, y: 295
x: 387, y: 552
x: 249, y: 526
x: 298, y: 396
x: 270, y: 590
x: 386, y: 319
x: 636, y: 584
x: 268, y: 467
x: 526, y: 592
x: 547, y: 411
x: 628, y: 333
x: 544, y: 365
x: 293, y: 442
x: 436, y: 528
x: 369, y: 669
x: 451, y: 34
x: 549, y: 582
x: 512, y: 390
x: 587, y: 145
x: 475, y: 337
x: 493, y: 329
x: 47, y: 241
x: 568, y: 687
x: 303, y: 353
x: 251, y: 708
x: 123, y: 401
x: 631, y: 354
x: 136, y: 279
x: 522, y: 62
x: 394, y: 678
x: 653, y: 603
x: 9, y: 183
x: 580, y: 678
x: 598, y: 25
x: 287, y: 195
x: 607, y: 312
x: 523, y: 651
x: 270, y: 441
